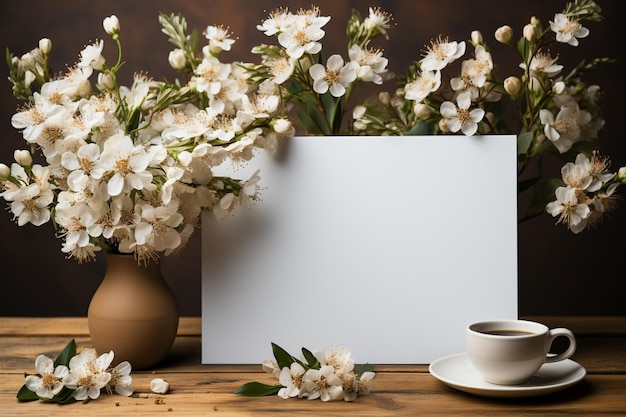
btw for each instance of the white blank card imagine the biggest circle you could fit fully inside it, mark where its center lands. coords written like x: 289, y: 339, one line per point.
x: 389, y: 246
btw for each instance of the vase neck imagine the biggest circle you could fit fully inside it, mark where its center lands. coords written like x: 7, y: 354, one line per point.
x: 126, y: 261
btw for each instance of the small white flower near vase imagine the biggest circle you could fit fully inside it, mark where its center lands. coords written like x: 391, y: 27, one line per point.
x: 387, y: 245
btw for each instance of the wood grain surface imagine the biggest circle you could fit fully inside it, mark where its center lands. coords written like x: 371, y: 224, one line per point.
x: 207, y: 390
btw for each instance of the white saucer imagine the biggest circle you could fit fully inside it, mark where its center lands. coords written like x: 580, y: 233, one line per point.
x: 458, y: 372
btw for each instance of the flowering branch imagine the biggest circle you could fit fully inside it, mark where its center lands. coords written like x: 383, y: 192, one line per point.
x: 328, y: 375
x: 556, y: 115
x: 76, y: 377
x: 321, y: 91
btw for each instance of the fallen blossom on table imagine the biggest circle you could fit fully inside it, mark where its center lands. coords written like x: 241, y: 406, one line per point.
x: 329, y: 375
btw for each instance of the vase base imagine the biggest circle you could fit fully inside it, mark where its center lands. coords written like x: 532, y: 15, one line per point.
x: 143, y: 343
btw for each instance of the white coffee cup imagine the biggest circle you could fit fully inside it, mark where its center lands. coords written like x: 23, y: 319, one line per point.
x: 509, y: 352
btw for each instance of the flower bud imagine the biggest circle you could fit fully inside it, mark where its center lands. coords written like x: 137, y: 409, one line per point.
x: 360, y: 124
x: 177, y: 59
x: 358, y: 111
x: 22, y: 157
x: 384, y: 98
x: 421, y: 110
x: 491, y: 121
x: 29, y: 77
x: 530, y: 32
x: 283, y: 127
x: 621, y: 175
x: 476, y: 37
x: 443, y: 126
x: 106, y: 80
x: 559, y: 87
x: 111, y: 25
x: 396, y: 102
x: 504, y: 34
x: 512, y: 85
x: 98, y: 64
x: 45, y: 45
x: 159, y: 386
x: 5, y: 171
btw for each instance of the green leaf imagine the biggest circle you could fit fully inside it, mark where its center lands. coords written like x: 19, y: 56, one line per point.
x: 68, y: 353
x: 523, y: 47
x: 283, y: 358
x: 366, y: 368
x: 193, y: 40
x: 312, y: 119
x: 312, y: 361
x: 527, y: 183
x: 24, y: 394
x: 543, y: 193
x: 419, y: 128
x: 66, y: 396
x: 523, y: 141
x: 133, y: 120
x: 257, y: 389
x: 332, y: 111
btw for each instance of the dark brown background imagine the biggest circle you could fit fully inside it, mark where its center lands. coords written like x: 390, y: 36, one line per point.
x: 559, y: 273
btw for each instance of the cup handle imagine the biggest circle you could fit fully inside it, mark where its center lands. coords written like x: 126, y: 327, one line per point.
x: 558, y: 332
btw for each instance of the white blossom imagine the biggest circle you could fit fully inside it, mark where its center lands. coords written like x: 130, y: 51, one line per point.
x: 461, y: 117
x: 424, y: 83
x: 291, y: 380
x: 302, y: 32
x: 91, y: 56
x: 321, y: 383
x: 377, y: 20
x: 49, y: 381
x: 219, y: 39
x: 121, y: 380
x: 565, y: 129
x: 543, y: 63
x: 441, y: 53
x: 569, y: 209
x: 568, y: 29
x: 127, y: 164
x: 371, y: 63
x: 339, y: 357
x: 335, y: 77
x: 88, y: 374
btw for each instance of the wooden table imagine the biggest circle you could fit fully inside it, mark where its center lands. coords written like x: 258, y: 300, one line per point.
x: 207, y: 390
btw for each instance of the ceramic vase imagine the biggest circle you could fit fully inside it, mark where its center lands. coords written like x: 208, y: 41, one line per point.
x: 133, y: 313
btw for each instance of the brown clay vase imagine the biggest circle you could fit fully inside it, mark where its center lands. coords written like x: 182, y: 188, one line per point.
x: 133, y: 313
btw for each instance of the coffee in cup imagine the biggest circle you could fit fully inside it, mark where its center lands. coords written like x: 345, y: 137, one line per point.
x: 509, y: 352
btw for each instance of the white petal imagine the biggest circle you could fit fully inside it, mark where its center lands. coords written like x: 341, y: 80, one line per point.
x: 44, y: 364
x: 115, y: 185
x: 448, y: 109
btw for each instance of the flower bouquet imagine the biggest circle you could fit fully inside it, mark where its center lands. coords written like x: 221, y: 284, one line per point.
x: 129, y: 169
